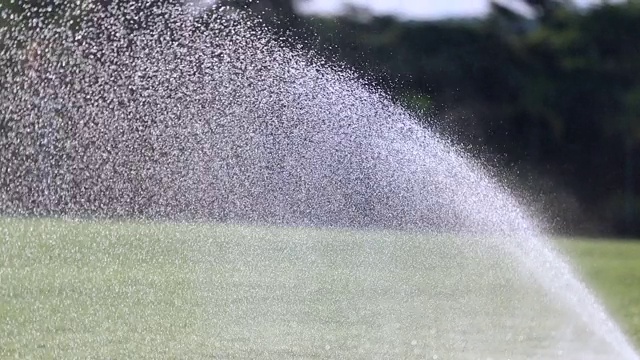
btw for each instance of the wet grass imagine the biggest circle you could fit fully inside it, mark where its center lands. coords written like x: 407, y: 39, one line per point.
x: 612, y: 267
x: 77, y: 290
x: 131, y: 290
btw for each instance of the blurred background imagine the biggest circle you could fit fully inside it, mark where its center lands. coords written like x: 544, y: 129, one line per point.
x: 547, y: 92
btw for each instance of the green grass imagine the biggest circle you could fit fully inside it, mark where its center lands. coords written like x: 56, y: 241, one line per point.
x: 130, y: 290
x: 612, y: 268
x: 81, y: 290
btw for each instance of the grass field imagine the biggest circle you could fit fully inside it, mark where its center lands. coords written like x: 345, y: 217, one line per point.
x: 613, y: 270
x: 130, y: 290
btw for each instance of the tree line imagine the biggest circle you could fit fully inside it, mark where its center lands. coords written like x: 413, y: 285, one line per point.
x: 553, y: 96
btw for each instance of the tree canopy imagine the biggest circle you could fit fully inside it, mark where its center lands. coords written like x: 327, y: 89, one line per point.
x: 555, y: 95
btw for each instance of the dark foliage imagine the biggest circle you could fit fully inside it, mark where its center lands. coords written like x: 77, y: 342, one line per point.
x: 557, y: 95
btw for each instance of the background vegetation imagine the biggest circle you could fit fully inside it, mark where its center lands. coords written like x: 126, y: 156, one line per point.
x: 553, y: 97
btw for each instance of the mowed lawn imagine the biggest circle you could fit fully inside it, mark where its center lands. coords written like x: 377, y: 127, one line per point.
x: 82, y: 290
x: 612, y: 268
x: 120, y: 290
